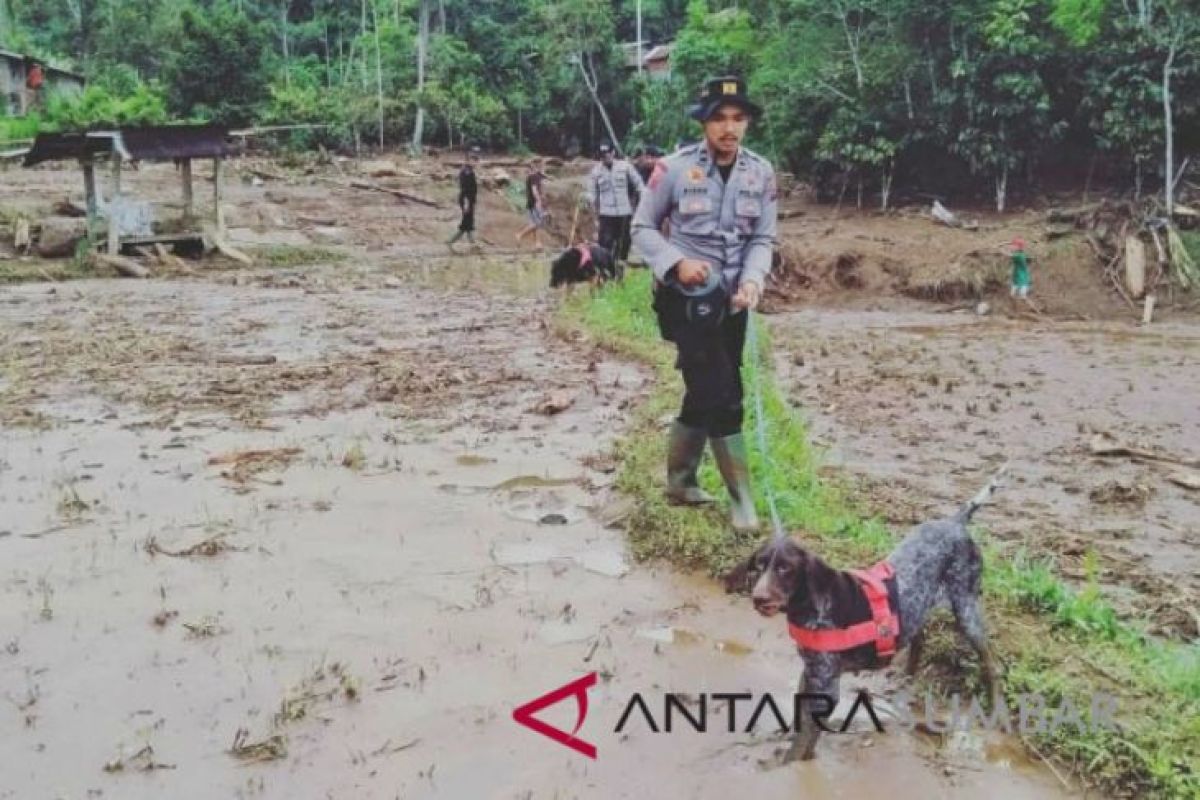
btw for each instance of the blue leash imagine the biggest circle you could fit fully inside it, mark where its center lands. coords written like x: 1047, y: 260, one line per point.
x: 760, y: 425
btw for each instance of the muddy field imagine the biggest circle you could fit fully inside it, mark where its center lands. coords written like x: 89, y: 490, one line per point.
x: 920, y: 404
x: 315, y: 531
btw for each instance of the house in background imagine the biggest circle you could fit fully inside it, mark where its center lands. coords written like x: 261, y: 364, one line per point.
x: 656, y: 59
x: 15, y: 95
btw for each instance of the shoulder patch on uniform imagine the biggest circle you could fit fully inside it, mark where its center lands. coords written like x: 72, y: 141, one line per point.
x: 656, y: 177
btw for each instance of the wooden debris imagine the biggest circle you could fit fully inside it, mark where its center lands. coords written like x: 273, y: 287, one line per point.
x: 22, y: 241
x: 211, y: 547
x: 141, y: 761
x: 247, y: 360
x: 124, y: 266
x: 218, y: 242
x: 65, y: 208
x: 555, y: 403
x: 425, y: 201
x: 1188, y: 480
x: 1104, y: 444
x: 246, y: 464
x: 1135, y: 266
x: 270, y: 749
x: 1148, y: 310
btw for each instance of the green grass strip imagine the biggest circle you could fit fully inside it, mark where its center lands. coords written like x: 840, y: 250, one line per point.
x: 1055, y: 640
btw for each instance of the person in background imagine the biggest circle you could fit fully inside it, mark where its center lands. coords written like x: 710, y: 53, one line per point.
x: 1020, y: 269
x: 535, y: 204
x: 611, y: 186
x: 468, y: 191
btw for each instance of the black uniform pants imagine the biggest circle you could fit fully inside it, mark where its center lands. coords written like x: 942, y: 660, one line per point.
x: 467, y: 225
x: 613, y: 233
x: 710, y: 358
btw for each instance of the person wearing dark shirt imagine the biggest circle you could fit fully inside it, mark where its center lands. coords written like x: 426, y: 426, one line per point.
x: 468, y: 191
x: 535, y: 205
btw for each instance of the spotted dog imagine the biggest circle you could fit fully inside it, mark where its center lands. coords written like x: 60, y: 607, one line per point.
x: 937, y: 564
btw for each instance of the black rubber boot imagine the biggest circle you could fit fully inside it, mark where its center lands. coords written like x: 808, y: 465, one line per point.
x: 730, y: 453
x: 685, y: 448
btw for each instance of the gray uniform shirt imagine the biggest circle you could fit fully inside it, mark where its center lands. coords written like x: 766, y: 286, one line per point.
x: 729, y: 225
x: 608, y: 189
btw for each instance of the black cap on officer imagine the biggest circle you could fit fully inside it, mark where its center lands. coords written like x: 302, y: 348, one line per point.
x: 726, y: 90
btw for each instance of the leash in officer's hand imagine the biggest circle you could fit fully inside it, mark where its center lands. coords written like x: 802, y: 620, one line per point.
x: 760, y: 425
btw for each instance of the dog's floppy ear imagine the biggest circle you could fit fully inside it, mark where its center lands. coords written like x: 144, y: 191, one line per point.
x: 743, y: 575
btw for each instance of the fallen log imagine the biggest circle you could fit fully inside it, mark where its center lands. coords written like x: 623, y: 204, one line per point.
x: 1135, y: 266
x: 247, y: 360
x: 1072, y: 215
x: 217, y: 242
x: 414, y: 198
x: 65, y: 208
x: 124, y: 266
x: 22, y: 241
x: 1103, y: 444
x: 374, y: 187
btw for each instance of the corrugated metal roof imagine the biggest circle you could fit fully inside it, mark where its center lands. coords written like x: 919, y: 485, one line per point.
x: 165, y: 142
x: 63, y: 147
x: 145, y: 143
x: 11, y: 56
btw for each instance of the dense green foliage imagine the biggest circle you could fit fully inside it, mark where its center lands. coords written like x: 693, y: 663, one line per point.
x: 997, y: 97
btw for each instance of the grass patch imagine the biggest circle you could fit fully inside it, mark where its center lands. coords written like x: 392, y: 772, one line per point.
x: 1060, y: 642
x: 36, y: 269
x: 289, y: 255
x: 1191, y: 240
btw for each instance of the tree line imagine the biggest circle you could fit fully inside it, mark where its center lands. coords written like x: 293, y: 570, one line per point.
x: 868, y: 98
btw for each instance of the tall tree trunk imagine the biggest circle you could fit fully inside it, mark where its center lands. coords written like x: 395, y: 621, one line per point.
x: 422, y: 46
x: 362, y: 35
x: 1001, y: 189
x: 885, y: 185
x: 283, y: 27
x: 1169, y: 130
x: 328, y: 60
x: 378, y: 72
x: 590, y: 81
x: 852, y: 42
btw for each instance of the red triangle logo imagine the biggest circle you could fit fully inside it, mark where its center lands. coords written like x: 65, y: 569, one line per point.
x: 524, y: 715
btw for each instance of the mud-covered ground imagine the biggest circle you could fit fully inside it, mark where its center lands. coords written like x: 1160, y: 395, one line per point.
x: 922, y: 404
x: 335, y: 575
x: 315, y: 531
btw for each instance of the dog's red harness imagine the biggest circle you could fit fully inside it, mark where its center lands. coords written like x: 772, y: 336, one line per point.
x: 585, y: 255
x: 883, y: 628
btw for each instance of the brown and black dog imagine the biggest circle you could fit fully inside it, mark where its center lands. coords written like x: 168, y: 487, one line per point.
x: 583, y: 263
x: 936, y: 564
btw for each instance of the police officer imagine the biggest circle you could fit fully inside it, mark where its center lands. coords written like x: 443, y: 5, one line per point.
x: 608, y: 190
x: 720, y: 199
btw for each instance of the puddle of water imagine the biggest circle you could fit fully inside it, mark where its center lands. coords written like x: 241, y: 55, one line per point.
x: 524, y: 276
x: 549, y: 510
x: 530, y: 482
x: 611, y: 564
x: 473, y: 460
x: 670, y: 634
x: 564, y: 633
